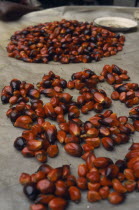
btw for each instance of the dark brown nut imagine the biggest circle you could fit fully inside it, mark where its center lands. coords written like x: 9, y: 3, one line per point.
x: 20, y: 143
x: 93, y: 196
x: 75, y: 194
x: 57, y: 203
x: 82, y: 183
x: 116, y: 198
x: 45, y: 186
x: 73, y: 149
x: 52, y: 151
x: 15, y: 84
x: 5, y: 98
x: 104, y: 192
x: 30, y: 191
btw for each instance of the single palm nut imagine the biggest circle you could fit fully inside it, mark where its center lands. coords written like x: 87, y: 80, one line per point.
x: 75, y: 194
x: 52, y: 151
x: 115, y: 95
x: 116, y: 197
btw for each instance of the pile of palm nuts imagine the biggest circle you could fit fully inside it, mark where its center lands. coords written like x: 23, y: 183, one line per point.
x: 127, y: 93
x: 65, y: 42
x: 54, y: 188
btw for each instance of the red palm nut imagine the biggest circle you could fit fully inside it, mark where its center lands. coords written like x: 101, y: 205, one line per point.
x: 75, y: 194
